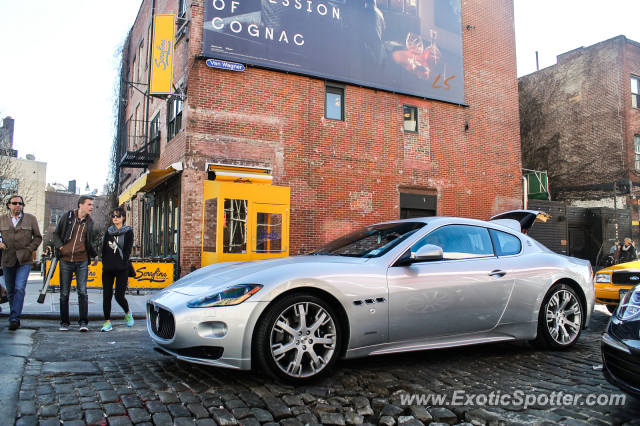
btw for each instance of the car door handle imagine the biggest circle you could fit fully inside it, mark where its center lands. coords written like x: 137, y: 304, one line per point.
x: 498, y: 273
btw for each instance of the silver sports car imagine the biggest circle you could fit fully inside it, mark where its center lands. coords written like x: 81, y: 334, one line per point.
x: 398, y: 286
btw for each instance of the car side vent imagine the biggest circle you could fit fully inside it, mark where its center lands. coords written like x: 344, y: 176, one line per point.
x: 369, y: 301
x: 358, y: 302
x: 381, y: 300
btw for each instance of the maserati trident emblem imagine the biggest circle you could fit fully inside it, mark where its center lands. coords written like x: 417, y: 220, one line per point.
x: 157, y: 322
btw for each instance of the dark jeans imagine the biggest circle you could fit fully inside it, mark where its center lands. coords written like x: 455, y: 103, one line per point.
x: 81, y: 270
x: 15, y: 278
x: 122, y: 279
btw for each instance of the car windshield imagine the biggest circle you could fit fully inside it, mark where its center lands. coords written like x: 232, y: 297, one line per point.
x: 372, y: 241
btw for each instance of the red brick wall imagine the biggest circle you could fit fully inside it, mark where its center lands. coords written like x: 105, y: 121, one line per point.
x: 344, y: 175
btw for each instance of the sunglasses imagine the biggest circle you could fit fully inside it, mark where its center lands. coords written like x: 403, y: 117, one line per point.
x: 116, y: 215
x: 17, y: 203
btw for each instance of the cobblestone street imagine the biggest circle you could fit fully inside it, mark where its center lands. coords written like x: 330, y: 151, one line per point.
x: 117, y: 379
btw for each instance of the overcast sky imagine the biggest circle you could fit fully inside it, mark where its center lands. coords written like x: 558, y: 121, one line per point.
x: 58, y: 69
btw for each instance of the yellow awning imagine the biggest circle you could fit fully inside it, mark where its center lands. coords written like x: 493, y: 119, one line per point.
x: 240, y: 174
x: 149, y: 180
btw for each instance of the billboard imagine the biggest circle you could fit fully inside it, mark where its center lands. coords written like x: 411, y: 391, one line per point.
x: 405, y: 46
x: 162, y: 55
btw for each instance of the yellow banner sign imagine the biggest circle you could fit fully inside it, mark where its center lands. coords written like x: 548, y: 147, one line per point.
x: 162, y: 56
x: 148, y: 275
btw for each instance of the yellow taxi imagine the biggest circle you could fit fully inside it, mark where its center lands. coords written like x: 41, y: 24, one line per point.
x: 613, y: 282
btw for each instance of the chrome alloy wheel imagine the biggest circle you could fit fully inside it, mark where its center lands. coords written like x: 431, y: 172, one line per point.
x: 564, y: 317
x: 303, y: 339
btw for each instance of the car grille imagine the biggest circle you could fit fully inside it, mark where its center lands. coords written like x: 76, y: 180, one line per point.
x: 624, y: 278
x: 623, y: 365
x: 162, y: 322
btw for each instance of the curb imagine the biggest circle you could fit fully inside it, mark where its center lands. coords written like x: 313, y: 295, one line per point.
x: 56, y: 316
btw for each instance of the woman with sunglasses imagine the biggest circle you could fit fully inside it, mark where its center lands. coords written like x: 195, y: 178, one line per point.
x: 116, y: 250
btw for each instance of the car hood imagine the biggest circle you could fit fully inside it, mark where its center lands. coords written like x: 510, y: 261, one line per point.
x: 629, y: 266
x: 219, y: 276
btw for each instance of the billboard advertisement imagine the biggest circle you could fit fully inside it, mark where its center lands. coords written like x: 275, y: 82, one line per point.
x: 405, y: 46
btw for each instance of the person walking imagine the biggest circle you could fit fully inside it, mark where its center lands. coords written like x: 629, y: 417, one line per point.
x: 74, y: 249
x: 627, y: 252
x: 116, y: 251
x: 20, y: 238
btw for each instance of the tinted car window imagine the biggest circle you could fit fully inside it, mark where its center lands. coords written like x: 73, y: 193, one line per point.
x: 506, y: 244
x: 372, y: 241
x: 459, y: 241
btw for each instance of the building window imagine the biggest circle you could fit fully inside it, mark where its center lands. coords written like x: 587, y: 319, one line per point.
x: 140, y: 56
x: 334, y: 103
x: 175, y: 118
x: 635, y: 92
x: 182, y: 8
x: 55, y: 215
x: 9, y: 186
x: 636, y: 147
x: 410, y: 119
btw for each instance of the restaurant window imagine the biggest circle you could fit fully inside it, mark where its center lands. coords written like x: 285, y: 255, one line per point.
x: 635, y: 91
x: 636, y: 147
x: 154, y: 133
x: 334, y: 103
x: 210, y: 225
x: 269, y: 233
x: 174, y: 122
x: 55, y: 215
x: 234, y: 228
x: 410, y: 119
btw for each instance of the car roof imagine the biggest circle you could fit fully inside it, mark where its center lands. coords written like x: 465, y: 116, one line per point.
x: 452, y: 219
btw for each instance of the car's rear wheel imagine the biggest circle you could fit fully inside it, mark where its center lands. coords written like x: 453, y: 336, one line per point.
x: 560, y: 318
x: 612, y: 308
x: 299, y: 339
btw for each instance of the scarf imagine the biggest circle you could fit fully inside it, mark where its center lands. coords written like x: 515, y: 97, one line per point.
x: 119, y: 237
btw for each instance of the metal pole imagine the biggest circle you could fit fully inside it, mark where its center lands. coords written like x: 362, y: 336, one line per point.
x: 537, y: 64
x: 615, y: 208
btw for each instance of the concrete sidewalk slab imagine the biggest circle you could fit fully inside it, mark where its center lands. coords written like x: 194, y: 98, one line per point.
x: 50, y: 309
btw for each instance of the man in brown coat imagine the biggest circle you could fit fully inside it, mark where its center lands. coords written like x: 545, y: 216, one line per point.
x: 20, y: 238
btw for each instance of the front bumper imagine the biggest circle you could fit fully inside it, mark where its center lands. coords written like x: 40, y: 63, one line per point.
x: 621, y: 360
x: 213, y: 336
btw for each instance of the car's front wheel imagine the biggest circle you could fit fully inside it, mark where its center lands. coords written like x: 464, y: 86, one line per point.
x: 560, y: 319
x: 299, y: 339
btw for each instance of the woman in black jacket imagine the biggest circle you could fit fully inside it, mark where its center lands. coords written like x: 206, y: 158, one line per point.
x: 116, y: 250
x: 627, y: 252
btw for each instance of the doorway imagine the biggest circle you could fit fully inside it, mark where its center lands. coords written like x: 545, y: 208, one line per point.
x: 417, y: 205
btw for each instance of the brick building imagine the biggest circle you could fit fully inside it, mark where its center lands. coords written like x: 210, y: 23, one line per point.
x: 580, y: 121
x: 365, y: 166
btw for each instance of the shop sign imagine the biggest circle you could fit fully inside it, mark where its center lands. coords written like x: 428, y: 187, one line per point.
x: 404, y: 46
x: 162, y: 55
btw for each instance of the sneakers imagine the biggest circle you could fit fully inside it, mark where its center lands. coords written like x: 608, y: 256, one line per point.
x: 106, y: 327
x: 64, y: 326
x: 83, y: 326
x: 15, y: 325
x: 129, y: 319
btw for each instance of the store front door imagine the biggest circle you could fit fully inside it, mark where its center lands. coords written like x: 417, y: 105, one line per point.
x: 162, y: 222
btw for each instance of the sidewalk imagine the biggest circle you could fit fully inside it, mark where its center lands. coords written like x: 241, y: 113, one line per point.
x: 50, y: 309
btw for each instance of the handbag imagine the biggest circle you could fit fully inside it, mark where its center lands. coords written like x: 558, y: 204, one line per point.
x: 132, y: 270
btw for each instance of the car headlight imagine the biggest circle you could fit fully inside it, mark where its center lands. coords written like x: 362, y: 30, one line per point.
x: 603, y: 278
x: 229, y: 297
x: 630, y: 305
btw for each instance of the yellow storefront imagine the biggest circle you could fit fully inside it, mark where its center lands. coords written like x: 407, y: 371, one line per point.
x: 244, y: 216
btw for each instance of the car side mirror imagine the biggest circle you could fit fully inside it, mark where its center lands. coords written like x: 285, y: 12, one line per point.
x: 428, y: 252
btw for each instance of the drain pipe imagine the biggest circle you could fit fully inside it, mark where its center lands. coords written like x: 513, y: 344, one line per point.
x: 525, y: 193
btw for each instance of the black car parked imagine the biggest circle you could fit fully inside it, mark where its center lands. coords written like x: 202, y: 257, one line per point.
x: 621, y: 345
